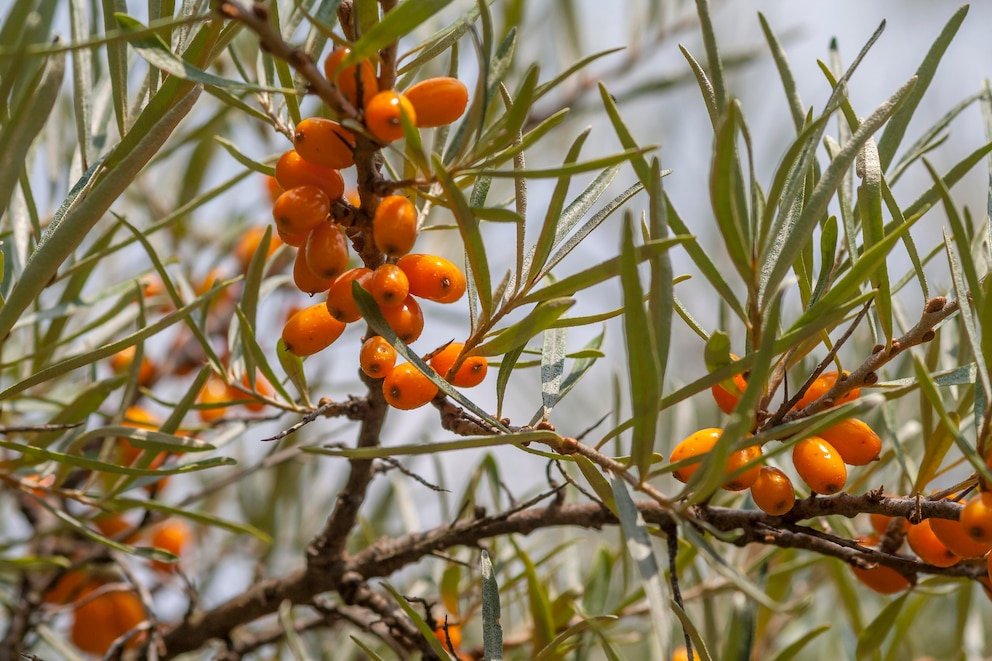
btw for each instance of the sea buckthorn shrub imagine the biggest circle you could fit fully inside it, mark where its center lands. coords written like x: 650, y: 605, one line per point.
x: 396, y: 329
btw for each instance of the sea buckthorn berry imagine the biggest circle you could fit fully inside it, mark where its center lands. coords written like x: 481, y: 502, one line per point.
x: 383, y: 114
x: 311, y: 330
x: 819, y: 465
x: 394, y: 226
x: 433, y: 277
x: 821, y: 385
x: 139, y: 418
x: 111, y: 524
x: 121, y: 361
x: 262, y: 387
x: 682, y: 654
x: 325, y: 143
x: 174, y: 536
x: 340, y: 299
x: 736, y: 461
x: 293, y: 171
x: 301, y: 209
x: 471, y: 372
x: 272, y: 185
x: 928, y: 547
x: 212, y: 396
x: 452, y: 632
x: 248, y: 244
x: 326, y: 251
x: 698, y: 443
x: 880, y: 522
x: 102, y: 620
x: 406, y: 320
x: 296, y: 240
x: 855, y: 442
x: 726, y: 400
x: 70, y: 587
x: 377, y: 357
x: 976, y: 518
x: 406, y: 388
x: 305, y: 279
x: 955, y: 537
x: 389, y: 286
x: 347, y: 79
x: 438, y: 101
x: 773, y: 491
x: 880, y: 578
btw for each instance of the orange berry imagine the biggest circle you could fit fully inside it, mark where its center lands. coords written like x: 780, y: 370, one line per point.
x: 989, y: 561
x: 880, y: 522
x: 773, y: 491
x: 453, y: 632
x: 821, y: 385
x: 394, y: 226
x: 433, y: 277
x: 389, y: 286
x: 681, y: 654
x: 956, y: 538
x: 301, y: 209
x: 383, y: 112
x: 71, y: 586
x: 111, y: 524
x: 855, y: 442
x: 292, y: 171
x: 880, y: 578
x: 272, y: 185
x: 174, y: 536
x: 348, y: 79
x: 406, y: 320
x: 928, y: 547
x: 377, y: 357
x: 248, y: 243
x: 695, y: 444
x: 311, y: 330
x: 737, y: 460
x: 304, y: 277
x: 99, y: 622
x: 340, y: 299
x: 326, y: 251
x: 325, y: 143
x: 262, y: 387
x: 139, y: 418
x: 121, y: 362
x: 213, y: 393
x: 726, y: 400
x: 819, y: 465
x: 296, y: 240
x: 471, y: 372
x: 976, y: 518
x: 438, y: 101
x: 407, y: 388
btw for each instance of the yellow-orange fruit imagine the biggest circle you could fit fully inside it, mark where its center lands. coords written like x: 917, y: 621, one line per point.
x: 111, y: 524
x: 954, y: 537
x: 738, y: 460
x: 273, y: 187
x: 682, y: 654
x: 855, y: 442
x: 262, y: 387
x: 311, y: 330
x: 139, y: 418
x: 70, y: 587
x: 389, y: 286
x: 99, y: 622
x: 880, y: 522
x: 726, y: 400
x: 928, y: 547
x: 976, y: 518
x: 212, y: 396
x: 989, y: 562
x: 773, y: 491
x: 248, y: 243
x: 293, y: 171
x: 406, y: 388
x: 121, y: 362
x: 694, y: 445
x: 300, y: 209
x: 394, y: 226
x: 880, y: 578
x: 433, y: 277
x: 406, y: 320
x: 383, y: 114
x: 326, y: 251
x: 819, y: 465
x: 174, y: 536
x: 470, y: 373
x: 340, y: 298
x: 438, y: 101
x: 377, y: 357
x: 325, y: 143
x: 452, y: 632
x: 821, y: 385
x: 303, y: 276
x: 296, y: 240
x: 349, y: 78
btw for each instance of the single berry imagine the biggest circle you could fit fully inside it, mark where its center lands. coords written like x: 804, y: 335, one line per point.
x: 349, y: 78
x: 956, y: 538
x: 928, y: 547
x: 449, y: 631
x: 879, y: 578
x: 438, y: 101
x: 326, y: 251
x: 696, y: 444
x: 739, y: 481
x: 70, y: 587
x: 121, y: 362
x: 433, y: 277
x: 725, y: 399
x: 406, y: 320
x: 471, y: 372
x: 976, y: 518
x: 855, y: 442
x: 292, y: 171
x: 880, y: 523
x: 174, y: 536
x: 383, y: 114
x: 389, y: 286
x: 213, y: 397
x: 100, y: 621
x: 325, y: 143
x: 394, y: 226
x: 300, y: 209
x: 262, y: 387
x: 821, y: 385
x: 340, y: 298
x: 273, y: 187
x: 249, y: 242
x: 377, y: 357
x: 296, y: 240
x: 304, y: 278
x: 682, y: 654
x: 819, y: 465
x: 311, y: 330
x: 773, y: 491
x: 406, y: 388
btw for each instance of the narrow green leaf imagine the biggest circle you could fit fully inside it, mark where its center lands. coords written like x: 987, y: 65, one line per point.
x: 518, y: 439
x: 705, y: 86
x: 292, y: 365
x: 784, y: 74
x: 539, y: 605
x: 117, y: 60
x: 552, y: 368
x: 727, y: 197
x: 584, y: 360
x: 398, y: 22
x: 416, y: 618
x: 594, y: 477
x: 792, y: 650
x: 929, y: 197
x: 554, y: 649
x: 492, y: 630
x: 872, y: 228
x: 519, y: 334
x: 871, y: 637
x: 713, y: 59
x: 243, y: 159
x: 506, y: 367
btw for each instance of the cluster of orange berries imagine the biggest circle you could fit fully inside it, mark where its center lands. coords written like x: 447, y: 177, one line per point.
x: 310, y: 181
x: 821, y: 461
